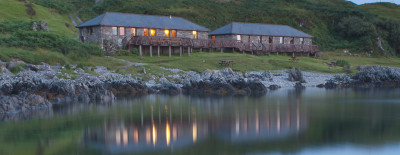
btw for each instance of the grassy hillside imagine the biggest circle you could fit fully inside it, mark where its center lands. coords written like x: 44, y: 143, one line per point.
x: 385, y: 10
x: 16, y: 10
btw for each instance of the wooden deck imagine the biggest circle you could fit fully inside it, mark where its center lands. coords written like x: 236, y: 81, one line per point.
x: 257, y: 48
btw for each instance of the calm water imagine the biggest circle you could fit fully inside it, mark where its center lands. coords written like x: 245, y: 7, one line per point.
x: 286, y: 121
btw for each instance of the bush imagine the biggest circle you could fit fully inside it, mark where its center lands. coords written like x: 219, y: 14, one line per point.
x: 17, y: 68
x: 54, y: 42
x: 134, y: 51
x: 61, y: 6
x: 342, y: 63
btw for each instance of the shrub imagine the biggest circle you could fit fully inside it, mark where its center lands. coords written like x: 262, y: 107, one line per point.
x: 134, y: 51
x: 342, y: 63
x: 67, y: 67
x: 17, y: 68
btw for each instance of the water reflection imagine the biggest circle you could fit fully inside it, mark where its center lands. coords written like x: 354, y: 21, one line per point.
x: 168, y: 126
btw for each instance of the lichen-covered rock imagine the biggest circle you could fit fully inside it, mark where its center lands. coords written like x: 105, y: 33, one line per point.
x: 296, y: 75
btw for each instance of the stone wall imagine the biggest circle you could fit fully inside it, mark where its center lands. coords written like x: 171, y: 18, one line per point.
x: 307, y: 41
x: 286, y: 40
x: 184, y: 34
x: 94, y: 37
x: 116, y: 39
x: 202, y: 35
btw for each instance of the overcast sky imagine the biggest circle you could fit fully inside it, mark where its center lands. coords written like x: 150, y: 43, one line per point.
x: 373, y: 1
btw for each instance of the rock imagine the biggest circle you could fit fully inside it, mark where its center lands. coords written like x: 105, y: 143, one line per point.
x: 321, y: 86
x: 296, y: 75
x: 44, y: 26
x: 274, y: 87
x: 299, y: 85
x: 34, y: 26
x: 168, y: 87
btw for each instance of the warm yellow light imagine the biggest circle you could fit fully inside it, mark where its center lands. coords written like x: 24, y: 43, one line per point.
x: 174, y: 132
x: 154, y: 135
x: 194, y: 131
x: 152, y: 32
x: 167, y: 134
x: 194, y: 34
x: 166, y: 33
x: 125, y: 136
x: 136, y: 136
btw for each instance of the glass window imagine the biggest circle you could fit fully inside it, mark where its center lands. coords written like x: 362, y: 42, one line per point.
x: 133, y: 32
x: 301, y: 40
x: 213, y: 37
x: 173, y: 33
x: 238, y: 37
x: 114, y: 31
x: 270, y: 40
x: 291, y: 40
x: 281, y: 40
x: 194, y: 34
x: 146, y: 32
x: 152, y: 32
x: 121, y: 31
x: 166, y: 32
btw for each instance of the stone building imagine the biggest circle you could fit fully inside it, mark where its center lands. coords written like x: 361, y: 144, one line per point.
x: 119, y: 28
x: 262, y: 33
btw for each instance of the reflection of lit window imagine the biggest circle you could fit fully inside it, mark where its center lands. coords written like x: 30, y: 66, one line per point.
x: 136, y: 136
x: 125, y: 136
x: 194, y: 131
x: 148, y: 135
x: 154, y: 135
x: 114, y: 31
x: 146, y: 32
x: 167, y: 134
x: 194, y: 34
x: 166, y: 32
x: 118, y: 137
x: 173, y: 33
x: 152, y: 32
x: 133, y: 32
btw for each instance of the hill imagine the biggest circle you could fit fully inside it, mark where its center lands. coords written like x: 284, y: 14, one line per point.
x: 335, y: 24
x: 384, y: 10
x: 58, y: 23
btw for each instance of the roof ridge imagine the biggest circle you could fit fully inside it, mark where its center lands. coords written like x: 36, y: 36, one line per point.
x: 259, y: 23
x: 144, y: 14
x: 101, y: 21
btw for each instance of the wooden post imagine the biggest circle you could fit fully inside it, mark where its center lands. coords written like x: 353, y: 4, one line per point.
x: 140, y: 50
x: 151, y: 51
x: 233, y: 50
x: 169, y: 51
x: 180, y: 51
x: 277, y: 53
x: 308, y: 54
x: 201, y: 50
x: 188, y: 51
x: 293, y: 54
x: 209, y: 50
x: 222, y: 50
x: 158, y: 51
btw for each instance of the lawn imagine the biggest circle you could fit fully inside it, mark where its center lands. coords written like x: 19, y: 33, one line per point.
x: 200, y: 62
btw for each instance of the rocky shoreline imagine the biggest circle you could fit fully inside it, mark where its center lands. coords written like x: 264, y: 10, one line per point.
x: 40, y: 86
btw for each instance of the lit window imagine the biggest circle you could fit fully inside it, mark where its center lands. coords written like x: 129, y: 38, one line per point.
x: 152, y: 32
x: 133, y: 32
x: 121, y: 31
x: 194, y: 34
x: 213, y: 37
x: 166, y: 33
x: 238, y: 37
x: 146, y: 32
x: 173, y: 33
x: 114, y: 31
x: 281, y: 40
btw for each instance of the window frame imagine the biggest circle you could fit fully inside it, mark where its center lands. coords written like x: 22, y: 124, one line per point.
x: 121, y: 29
x: 133, y: 31
x: 114, y: 30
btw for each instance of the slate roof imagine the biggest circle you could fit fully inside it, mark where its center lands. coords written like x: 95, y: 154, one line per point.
x: 137, y: 20
x: 259, y: 29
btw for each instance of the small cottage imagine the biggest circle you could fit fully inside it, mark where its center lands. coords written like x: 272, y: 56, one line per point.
x: 119, y: 28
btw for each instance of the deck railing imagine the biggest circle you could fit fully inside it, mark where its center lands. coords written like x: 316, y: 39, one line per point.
x: 220, y: 43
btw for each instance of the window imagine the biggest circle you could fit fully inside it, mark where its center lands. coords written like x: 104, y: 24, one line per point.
x: 270, y: 40
x: 114, y: 31
x: 121, y: 31
x: 259, y: 39
x: 89, y: 30
x: 166, y: 32
x: 133, y: 32
x: 146, y: 32
x: 152, y: 32
x: 194, y: 34
x: 301, y: 40
x: 238, y: 37
x: 173, y: 33
x: 280, y: 40
x: 212, y: 37
x: 291, y: 40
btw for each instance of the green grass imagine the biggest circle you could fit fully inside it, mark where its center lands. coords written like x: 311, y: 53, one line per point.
x: 32, y: 57
x: 13, y: 9
x: 386, y: 10
x: 200, y: 62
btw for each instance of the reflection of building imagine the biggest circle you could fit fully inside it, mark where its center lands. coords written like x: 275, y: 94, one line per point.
x: 162, y: 132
